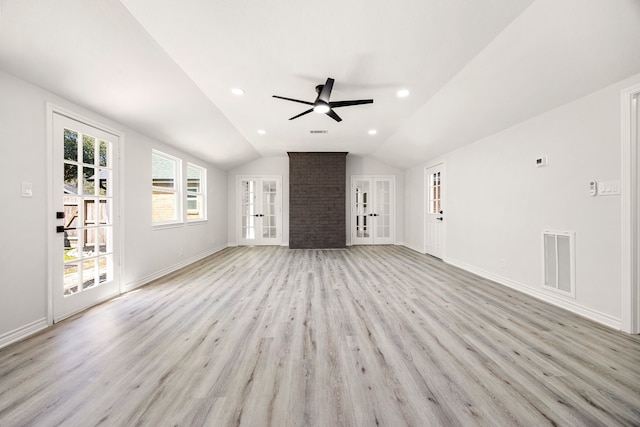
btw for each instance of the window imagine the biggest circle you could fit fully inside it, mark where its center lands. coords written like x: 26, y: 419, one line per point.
x: 435, y: 194
x: 196, y: 193
x: 165, y: 171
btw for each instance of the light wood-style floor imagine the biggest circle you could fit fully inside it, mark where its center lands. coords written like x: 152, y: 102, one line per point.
x: 366, y: 336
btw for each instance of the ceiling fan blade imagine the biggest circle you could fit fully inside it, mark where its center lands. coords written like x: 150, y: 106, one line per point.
x: 337, y: 104
x: 294, y: 100
x: 302, y: 114
x: 325, y: 94
x: 334, y: 116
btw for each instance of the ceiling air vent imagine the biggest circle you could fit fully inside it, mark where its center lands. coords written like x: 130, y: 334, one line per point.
x: 318, y: 131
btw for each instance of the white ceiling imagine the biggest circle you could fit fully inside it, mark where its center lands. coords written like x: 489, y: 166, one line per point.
x: 166, y: 68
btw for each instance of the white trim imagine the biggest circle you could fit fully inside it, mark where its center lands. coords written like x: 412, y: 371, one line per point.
x: 23, y: 332
x: 151, y: 277
x: 630, y: 208
x: 551, y: 298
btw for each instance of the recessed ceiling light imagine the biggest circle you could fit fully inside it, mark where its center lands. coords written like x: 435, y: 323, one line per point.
x: 403, y: 93
x: 237, y: 91
x: 372, y: 131
x: 262, y: 131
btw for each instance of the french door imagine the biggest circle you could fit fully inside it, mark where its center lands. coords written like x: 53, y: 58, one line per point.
x: 434, y: 211
x: 260, y: 210
x: 84, y: 254
x: 372, y: 210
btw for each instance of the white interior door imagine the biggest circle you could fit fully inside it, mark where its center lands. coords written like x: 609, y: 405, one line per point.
x: 84, y: 250
x: 260, y: 210
x: 434, y: 212
x: 372, y: 210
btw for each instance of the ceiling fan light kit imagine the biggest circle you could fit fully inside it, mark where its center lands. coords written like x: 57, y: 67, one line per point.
x: 322, y: 104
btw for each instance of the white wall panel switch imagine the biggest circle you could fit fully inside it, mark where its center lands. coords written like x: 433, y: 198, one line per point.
x: 608, y: 188
x: 27, y: 189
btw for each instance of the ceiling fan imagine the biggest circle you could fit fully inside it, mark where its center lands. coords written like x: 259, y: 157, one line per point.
x: 322, y: 103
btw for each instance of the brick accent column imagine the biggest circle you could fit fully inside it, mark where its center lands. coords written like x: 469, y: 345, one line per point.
x: 317, y: 191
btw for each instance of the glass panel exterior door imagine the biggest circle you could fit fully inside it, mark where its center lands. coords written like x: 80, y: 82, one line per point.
x: 84, y: 175
x: 260, y: 210
x: 373, y: 209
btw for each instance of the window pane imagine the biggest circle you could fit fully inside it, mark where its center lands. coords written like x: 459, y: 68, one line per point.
x: 70, y: 179
x: 88, y: 149
x: 194, y: 178
x: 163, y: 206
x: 104, y: 182
x: 70, y: 145
x: 71, y: 279
x: 104, y: 153
x: 163, y: 171
x: 88, y: 180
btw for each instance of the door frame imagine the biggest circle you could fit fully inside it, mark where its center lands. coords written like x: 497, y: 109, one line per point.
x: 118, y: 212
x: 238, y: 203
x: 394, y: 208
x: 425, y: 210
x: 630, y: 207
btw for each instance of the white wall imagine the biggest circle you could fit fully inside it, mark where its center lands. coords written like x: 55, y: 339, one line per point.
x: 498, y: 203
x: 147, y: 253
x: 355, y: 165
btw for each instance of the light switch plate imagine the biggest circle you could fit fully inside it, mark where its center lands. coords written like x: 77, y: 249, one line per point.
x: 27, y: 189
x: 609, y: 188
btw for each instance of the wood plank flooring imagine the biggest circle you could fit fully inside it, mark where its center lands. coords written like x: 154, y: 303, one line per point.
x: 367, y: 336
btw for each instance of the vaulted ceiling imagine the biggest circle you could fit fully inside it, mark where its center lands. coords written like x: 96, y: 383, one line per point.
x: 472, y: 67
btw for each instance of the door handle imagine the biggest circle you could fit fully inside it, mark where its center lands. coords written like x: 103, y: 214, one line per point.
x: 372, y: 214
x: 439, y: 218
x: 258, y: 215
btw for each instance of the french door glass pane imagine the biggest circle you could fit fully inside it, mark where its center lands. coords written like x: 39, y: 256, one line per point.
x: 105, y: 148
x: 71, y: 278
x: 88, y: 273
x: 87, y: 218
x: 362, y: 208
x: 70, y: 178
x: 70, y: 145
x: 88, y: 149
x: 88, y: 181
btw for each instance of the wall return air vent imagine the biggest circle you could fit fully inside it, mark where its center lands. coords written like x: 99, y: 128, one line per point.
x: 559, y: 261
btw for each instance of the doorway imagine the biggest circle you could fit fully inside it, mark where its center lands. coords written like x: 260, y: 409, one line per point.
x: 84, y: 203
x: 434, y: 210
x: 259, y: 210
x: 372, y: 210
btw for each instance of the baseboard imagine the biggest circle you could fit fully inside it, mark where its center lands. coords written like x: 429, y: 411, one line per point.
x: 151, y: 277
x: 23, y: 332
x: 540, y: 294
x: 412, y: 247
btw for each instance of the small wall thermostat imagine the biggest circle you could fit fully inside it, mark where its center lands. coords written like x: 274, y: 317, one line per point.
x: 541, y: 161
x: 593, y: 188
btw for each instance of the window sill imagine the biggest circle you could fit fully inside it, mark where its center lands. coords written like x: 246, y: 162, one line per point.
x: 197, y: 221
x: 166, y: 225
